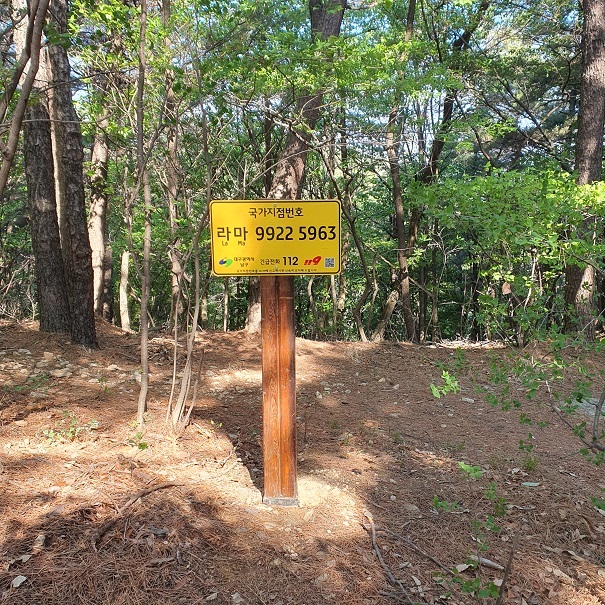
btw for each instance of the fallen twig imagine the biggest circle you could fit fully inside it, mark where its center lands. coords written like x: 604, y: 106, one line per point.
x: 392, y: 579
x: 596, y: 436
x: 416, y: 548
x: 487, y: 563
x: 507, y: 569
x: 374, y: 503
x: 111, y: 522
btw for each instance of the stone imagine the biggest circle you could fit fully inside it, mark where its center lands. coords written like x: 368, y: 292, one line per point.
x: 61, y: 373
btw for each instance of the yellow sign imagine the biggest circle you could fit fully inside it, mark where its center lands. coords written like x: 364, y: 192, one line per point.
x: 275, y: 237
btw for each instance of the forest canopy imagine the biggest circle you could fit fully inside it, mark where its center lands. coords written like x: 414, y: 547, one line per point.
x: 463, y: 138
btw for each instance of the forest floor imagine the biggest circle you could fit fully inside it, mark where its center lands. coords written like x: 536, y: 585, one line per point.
x: 92, y: 511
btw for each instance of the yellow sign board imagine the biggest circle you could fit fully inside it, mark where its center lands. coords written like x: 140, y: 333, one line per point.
x: 275, y: 237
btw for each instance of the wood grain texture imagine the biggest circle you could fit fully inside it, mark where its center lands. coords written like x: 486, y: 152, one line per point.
x: 279, y: 390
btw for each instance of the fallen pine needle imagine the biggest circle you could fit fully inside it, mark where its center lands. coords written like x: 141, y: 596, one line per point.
x: 140, y: 494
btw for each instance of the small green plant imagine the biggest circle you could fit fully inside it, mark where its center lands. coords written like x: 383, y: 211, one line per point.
x: 69, y: 428
x: 473, y: 583
x: 346, y: 439
x: 103, y: 384
x: 525, y: 445
x: 473, y: 472
x: 530, y: 463
x: 476, y: 586
x: 34, y: 382
x: 457, y: 363
x: 334, y: 425
x: 598, y: 503
x: 450, y: 385
x: 137, y: 441
x: 51, y: 435
x: 444, y: 505
x: 498, y: 502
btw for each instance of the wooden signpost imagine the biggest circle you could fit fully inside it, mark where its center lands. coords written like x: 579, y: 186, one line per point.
x: 276, y: 239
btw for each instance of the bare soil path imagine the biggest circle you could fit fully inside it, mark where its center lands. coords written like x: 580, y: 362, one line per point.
x: 92, y: 511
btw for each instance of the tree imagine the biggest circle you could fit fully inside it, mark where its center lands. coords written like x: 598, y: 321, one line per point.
x: 53, y: 155
x: 428, y: 172
x: 257, y: 102
x: 143, y: 179
x: 51, y: 287
x: 28, y: 39
x: 580, y: 277
x: 326, y: 19
x: 102, y: 253
x: 69, y: 175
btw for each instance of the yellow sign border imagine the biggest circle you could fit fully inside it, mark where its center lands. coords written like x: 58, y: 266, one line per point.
x: 306, y: 246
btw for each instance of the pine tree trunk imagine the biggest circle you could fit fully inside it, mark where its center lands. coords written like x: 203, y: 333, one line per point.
x: 70, y: 178
x: 580, y: 278
x: 591, y: 119
x: 50, y: 276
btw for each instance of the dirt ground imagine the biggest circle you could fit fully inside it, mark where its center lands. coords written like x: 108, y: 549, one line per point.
x: 93, y: 511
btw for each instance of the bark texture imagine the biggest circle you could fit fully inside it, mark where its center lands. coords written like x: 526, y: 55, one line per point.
x: 97, y: 221
x: 50, y: 277
x: 591, y: 118
x: 69, y: 176
x: 580, y: 278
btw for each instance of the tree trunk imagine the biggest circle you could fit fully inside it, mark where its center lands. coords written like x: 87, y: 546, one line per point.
x: 53, y: 302
x: 172, y: 177
x: 402, y: 282
x: 143, y: 175
x: 403, y: 277
x: 107, y: 298
x: 253, y: 319
x: 387, y: 311
x: 124, y: 312
x: 591, y: 119
x: 50, y: 275
x: 70, y: 178
x: 28, y: 39
x: 97, y: 218
x: 580, y: 278
x: 430, y: 170
x: 326, y: 19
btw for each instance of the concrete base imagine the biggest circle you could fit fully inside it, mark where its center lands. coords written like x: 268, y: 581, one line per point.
x: 280, y: 501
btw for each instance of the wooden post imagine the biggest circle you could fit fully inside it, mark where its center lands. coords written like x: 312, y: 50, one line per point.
x: 279, y: 390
